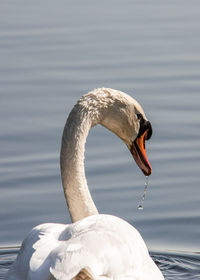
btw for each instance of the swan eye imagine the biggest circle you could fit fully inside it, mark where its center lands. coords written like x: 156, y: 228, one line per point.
x: 139, y: 116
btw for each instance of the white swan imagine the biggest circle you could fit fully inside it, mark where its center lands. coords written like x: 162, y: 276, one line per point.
x: 94, y: 246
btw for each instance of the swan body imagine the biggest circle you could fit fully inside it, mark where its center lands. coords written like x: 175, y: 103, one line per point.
x: 104, y: 246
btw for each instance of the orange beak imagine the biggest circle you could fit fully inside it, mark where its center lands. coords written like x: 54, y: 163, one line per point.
x: 139, y: 153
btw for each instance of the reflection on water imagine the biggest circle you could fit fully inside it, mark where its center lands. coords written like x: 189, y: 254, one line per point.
x: 51, y: 53
x: 178, y: 266
x: 7, y: 256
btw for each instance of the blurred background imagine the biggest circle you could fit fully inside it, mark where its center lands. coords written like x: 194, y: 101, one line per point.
x: 51, y: 53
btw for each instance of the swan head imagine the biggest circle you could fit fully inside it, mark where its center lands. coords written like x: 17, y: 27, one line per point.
x: 125, y: 117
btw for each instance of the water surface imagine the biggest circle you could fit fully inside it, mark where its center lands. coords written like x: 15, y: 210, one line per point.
x: 53, y: 52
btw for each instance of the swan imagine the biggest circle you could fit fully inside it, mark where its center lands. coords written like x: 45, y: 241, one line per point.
x: 94, y: 246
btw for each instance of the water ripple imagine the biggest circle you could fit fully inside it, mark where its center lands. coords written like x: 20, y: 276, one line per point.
x: 176, y: 266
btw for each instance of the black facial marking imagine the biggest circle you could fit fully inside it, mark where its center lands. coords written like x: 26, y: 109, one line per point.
x: 144, y: 126
x: 139, y: 116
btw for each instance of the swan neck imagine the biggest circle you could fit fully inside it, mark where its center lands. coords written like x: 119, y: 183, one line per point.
x: 77, y: 194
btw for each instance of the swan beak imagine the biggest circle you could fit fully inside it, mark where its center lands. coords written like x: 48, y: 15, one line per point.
x: 139, y: 153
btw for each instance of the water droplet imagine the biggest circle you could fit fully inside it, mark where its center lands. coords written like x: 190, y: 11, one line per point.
x: 140, y: 207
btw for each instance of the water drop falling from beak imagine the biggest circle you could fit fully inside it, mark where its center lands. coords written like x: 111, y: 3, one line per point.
x: 140, y: 207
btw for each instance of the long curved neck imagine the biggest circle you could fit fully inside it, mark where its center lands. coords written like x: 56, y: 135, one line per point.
x: 74, y: 182
x: 112, y: 109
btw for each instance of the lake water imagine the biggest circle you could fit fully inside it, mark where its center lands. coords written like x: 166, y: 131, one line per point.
x: 51, y: 53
